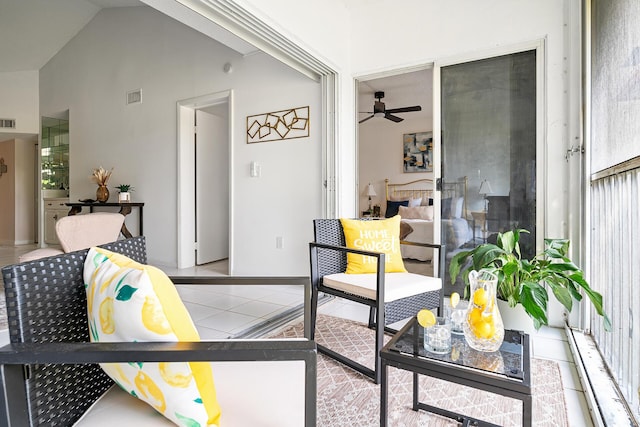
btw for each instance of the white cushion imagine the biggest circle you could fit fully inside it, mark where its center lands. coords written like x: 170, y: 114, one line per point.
x: 415, y: 202
x: 456, y: 207
x: 397, y: 285
x: 268, y: 394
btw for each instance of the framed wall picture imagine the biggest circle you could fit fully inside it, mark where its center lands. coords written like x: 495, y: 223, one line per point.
x: 418, y: 152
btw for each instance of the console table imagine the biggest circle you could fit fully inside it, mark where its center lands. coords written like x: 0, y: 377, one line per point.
x: 125, y: 209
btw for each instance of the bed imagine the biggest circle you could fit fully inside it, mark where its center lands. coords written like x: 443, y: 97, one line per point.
x: 455, y: 225
x: 413, y: 201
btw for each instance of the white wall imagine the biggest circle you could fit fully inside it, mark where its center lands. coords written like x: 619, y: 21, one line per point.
x: 429, y: 31
x: 129, y: 48
x: 380, y: 156
x: 19, y: 100
x: 437, y: 31
x: 382, y: 36
x: 434, y: 31
x: 323, y: 29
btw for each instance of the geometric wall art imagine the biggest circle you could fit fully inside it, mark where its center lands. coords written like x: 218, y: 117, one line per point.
x: 278, y: 125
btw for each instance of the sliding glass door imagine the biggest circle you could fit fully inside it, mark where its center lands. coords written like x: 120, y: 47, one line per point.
x: 488, y: 151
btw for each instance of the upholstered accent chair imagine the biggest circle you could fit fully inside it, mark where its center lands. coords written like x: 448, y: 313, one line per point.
x: 78, y: 232
x: 391, y: 297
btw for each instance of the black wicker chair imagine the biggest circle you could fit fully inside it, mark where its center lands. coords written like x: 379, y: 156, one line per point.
x: 329, y: 256
x: 49, y: 374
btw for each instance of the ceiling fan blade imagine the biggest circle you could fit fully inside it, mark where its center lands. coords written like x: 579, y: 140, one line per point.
x: 405, y: 109
x: 366, y: 118
x: 392, y: 118
x: 365, y: 112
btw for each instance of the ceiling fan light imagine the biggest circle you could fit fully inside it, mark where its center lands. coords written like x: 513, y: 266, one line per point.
x: 378, y: 114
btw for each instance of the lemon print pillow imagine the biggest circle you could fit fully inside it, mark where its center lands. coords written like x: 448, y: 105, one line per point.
x: 376, y: 236
x: 128, y: 302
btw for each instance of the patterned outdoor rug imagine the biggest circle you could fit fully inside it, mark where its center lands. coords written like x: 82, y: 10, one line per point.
x: 346, y: 398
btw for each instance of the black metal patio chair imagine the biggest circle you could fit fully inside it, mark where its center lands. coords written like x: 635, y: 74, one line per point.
x: 379, y: 291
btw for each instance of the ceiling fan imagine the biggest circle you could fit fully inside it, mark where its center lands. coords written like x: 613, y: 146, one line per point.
x: 380, y: 111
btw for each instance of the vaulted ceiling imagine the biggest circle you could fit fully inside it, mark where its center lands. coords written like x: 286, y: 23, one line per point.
x: 33, y: 31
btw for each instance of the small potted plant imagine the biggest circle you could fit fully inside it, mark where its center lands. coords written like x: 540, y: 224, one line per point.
x: 522, y: 281
x: 124, y: 194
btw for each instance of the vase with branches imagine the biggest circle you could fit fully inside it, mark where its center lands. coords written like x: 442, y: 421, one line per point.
x: 101, y: 177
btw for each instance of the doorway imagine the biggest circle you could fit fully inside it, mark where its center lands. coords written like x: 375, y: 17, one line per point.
x: 212, y: 183
x: 380, y: 140
x: 488, y: 151
x: 204, y: 168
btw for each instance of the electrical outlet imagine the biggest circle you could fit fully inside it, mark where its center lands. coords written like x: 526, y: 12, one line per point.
x: 279, y: 242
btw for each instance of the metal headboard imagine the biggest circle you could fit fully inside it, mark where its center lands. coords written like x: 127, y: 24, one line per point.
x: 457, y: 189
x: 409, y: 190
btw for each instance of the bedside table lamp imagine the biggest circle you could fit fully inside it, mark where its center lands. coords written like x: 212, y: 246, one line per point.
x: 485, y: 188
x: 371, y: 192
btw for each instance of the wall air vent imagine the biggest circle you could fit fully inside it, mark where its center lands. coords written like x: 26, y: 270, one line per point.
x: 134, y: 97
x: 8, y: 123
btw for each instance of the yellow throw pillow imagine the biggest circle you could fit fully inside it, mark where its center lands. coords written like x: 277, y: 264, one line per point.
x: 129, y: 302
x: 376, y: 236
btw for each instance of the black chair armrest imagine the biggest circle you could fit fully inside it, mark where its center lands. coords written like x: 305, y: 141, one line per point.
x: 13, y: 357
x: 256, y: 280
x: 101, y: 352
x: 313, y: 247
x: 441, y: 254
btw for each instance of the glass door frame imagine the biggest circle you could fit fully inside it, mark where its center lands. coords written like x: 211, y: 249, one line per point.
x: 541, y: 119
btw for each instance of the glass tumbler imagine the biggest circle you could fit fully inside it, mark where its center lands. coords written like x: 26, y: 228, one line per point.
x: 458, y: 316
x: 437, y: 338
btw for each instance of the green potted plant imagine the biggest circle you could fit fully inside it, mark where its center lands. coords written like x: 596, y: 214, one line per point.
x: 124, y: 194
x: 522, y: 281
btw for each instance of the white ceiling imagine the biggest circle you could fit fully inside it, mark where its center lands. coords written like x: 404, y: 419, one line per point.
x: 33, y: 31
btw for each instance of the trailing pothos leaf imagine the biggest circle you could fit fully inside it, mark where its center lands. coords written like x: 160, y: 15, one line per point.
x: 522, y: 281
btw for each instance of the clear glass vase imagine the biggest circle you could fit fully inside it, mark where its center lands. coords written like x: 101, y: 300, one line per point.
x: 483, y: 329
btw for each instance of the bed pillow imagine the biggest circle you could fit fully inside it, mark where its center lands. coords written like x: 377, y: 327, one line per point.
x: 415, y: 202
x: 417, y: 212
x: 129, y: 302
x: 377, y: 236
x: 392, y: 207
x: 456, y: 207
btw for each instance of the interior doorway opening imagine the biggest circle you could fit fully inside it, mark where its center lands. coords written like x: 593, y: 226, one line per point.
x: 204, y: 171
x: 394, y: 108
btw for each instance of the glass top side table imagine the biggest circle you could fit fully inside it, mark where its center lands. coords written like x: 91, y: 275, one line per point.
x: 506, y: 372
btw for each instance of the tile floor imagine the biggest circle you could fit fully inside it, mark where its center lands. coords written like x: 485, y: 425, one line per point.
x: 229, y: 310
